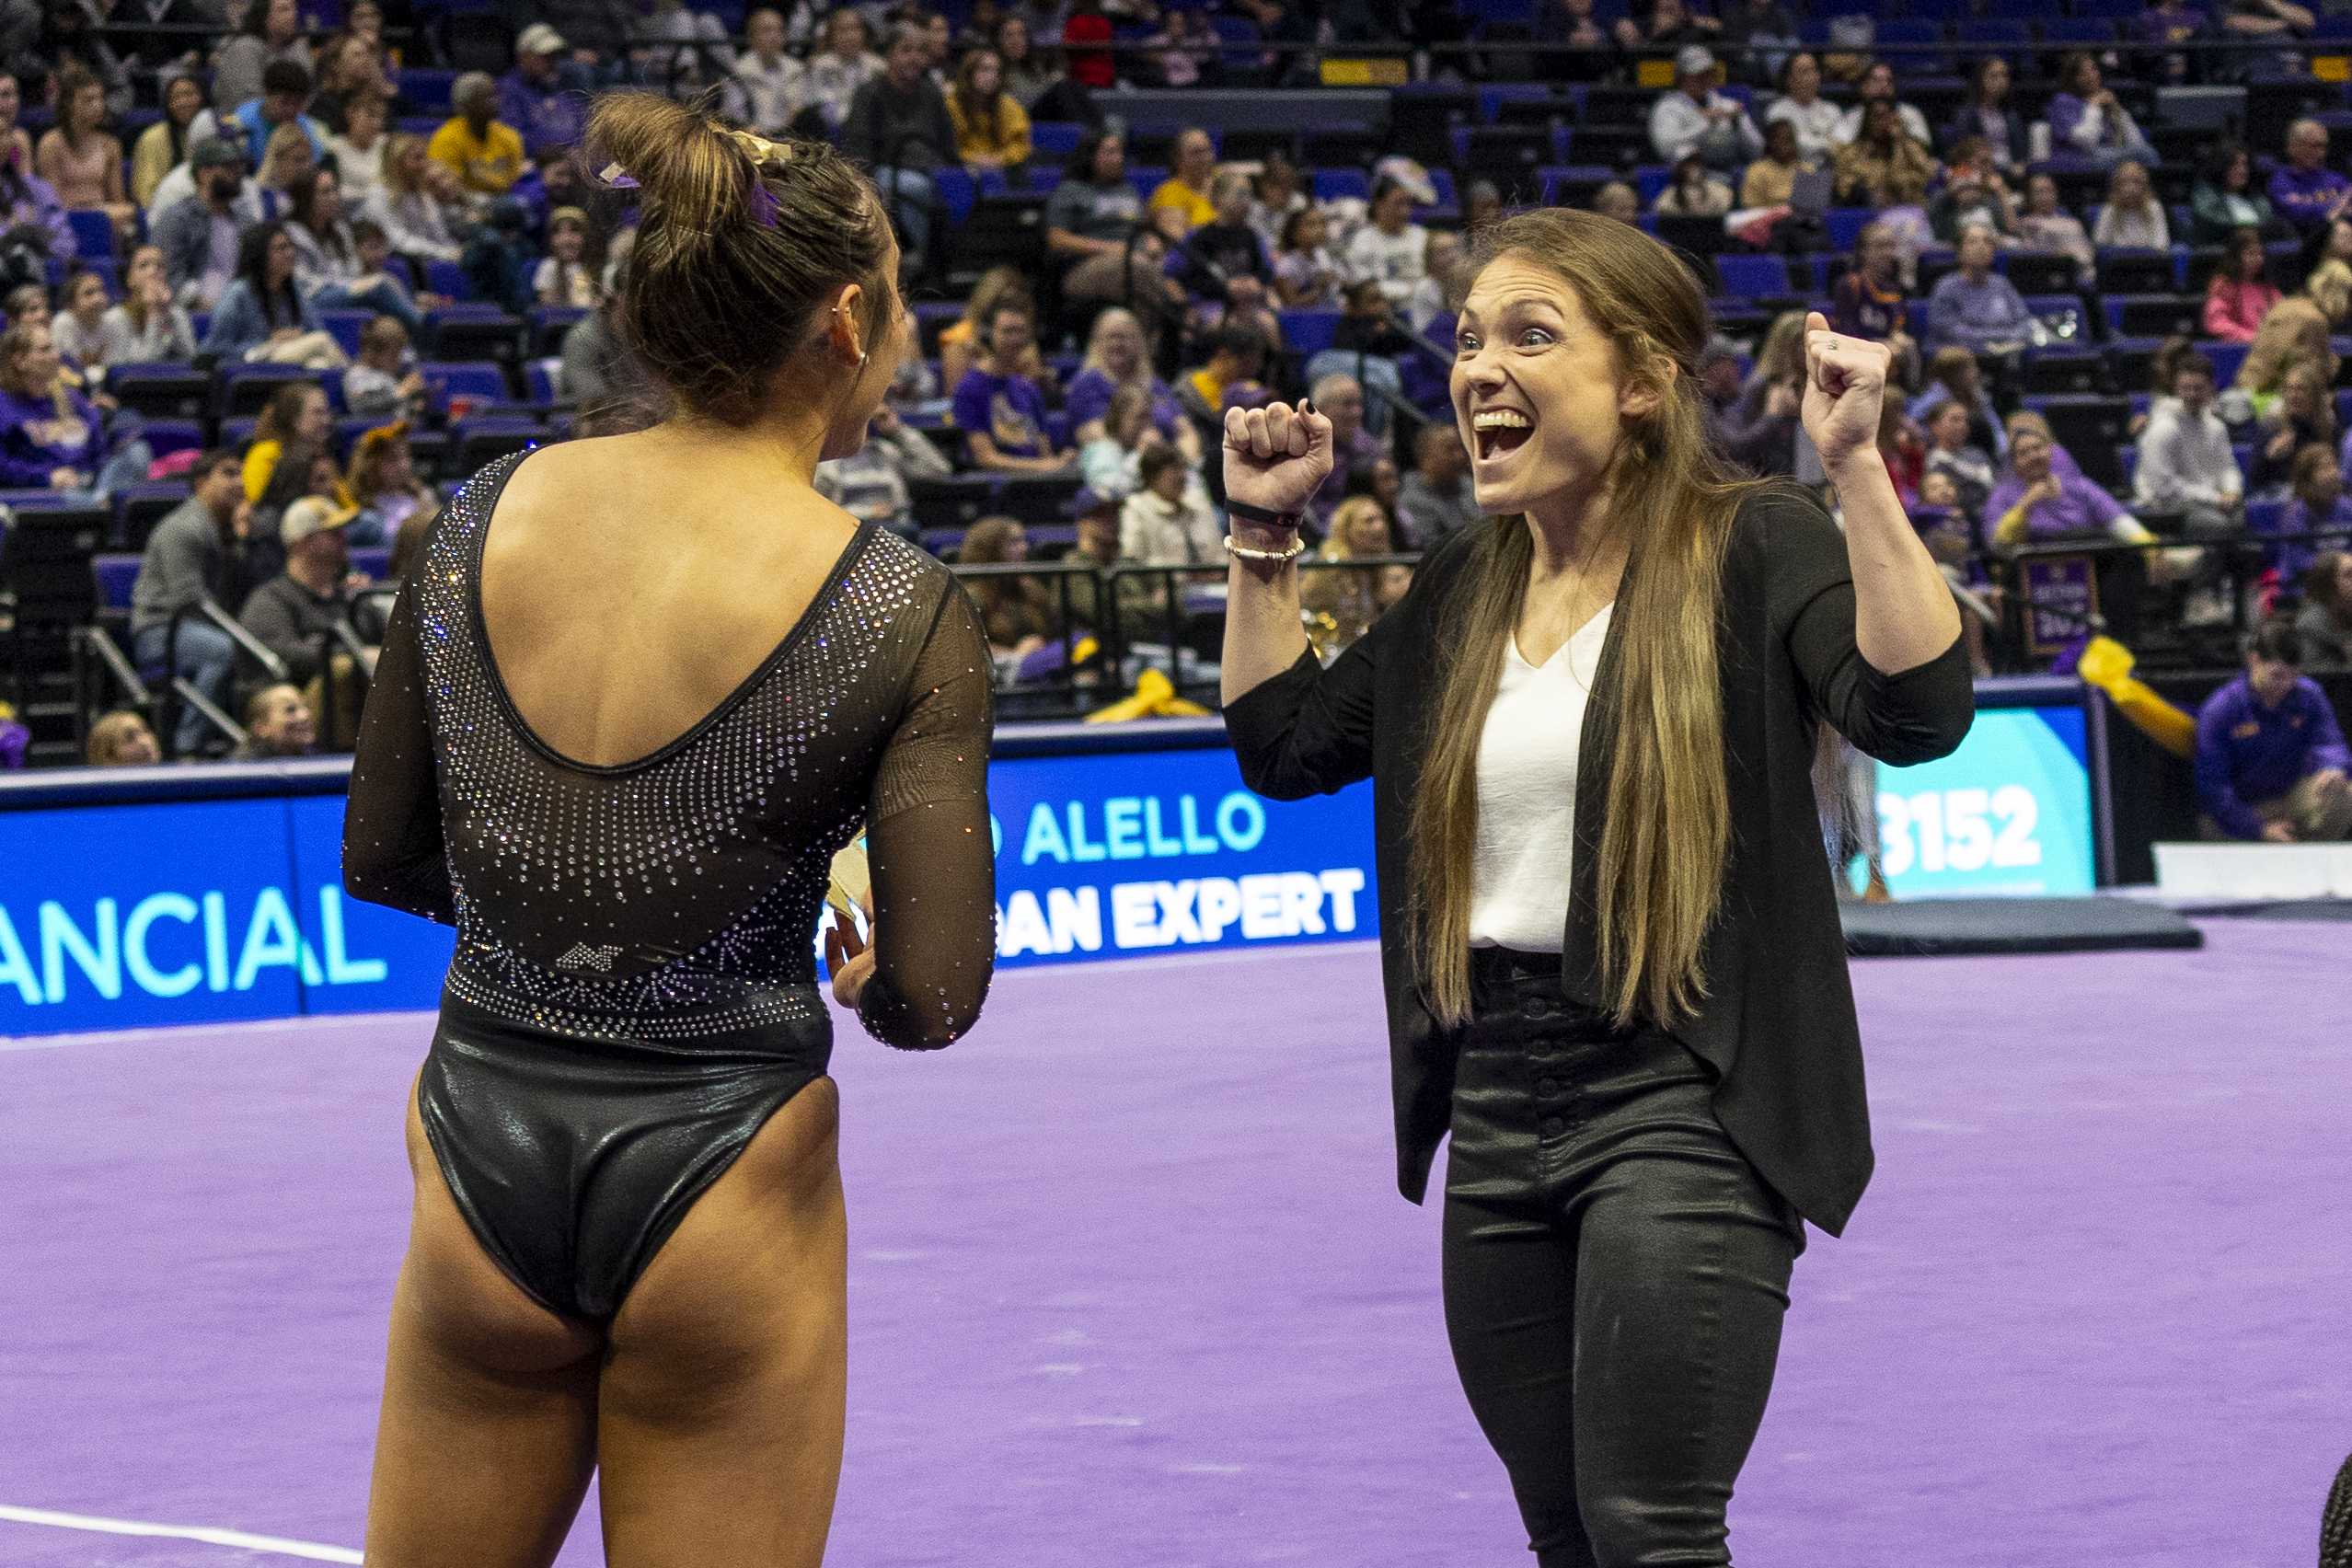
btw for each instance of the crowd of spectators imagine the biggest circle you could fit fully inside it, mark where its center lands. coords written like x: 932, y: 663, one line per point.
x: 260, y: 191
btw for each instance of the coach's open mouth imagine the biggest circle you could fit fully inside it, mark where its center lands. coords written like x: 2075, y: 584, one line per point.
x: 1500, y: 431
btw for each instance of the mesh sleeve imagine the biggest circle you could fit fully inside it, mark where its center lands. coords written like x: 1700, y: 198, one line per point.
x: 929, y: 846
x: 393, y: 852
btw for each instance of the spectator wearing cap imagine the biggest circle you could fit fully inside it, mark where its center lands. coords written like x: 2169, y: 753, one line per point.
x: 542, y: 96
x: 871, y: 483
x: 898, y: 127
x: 1878, y: 84
x: 483, y: 153
x: 1169, y: 521
x: 2270, y: 759
x: 198, y: 233
x: 2304, y: 191
x: 775, y: 85
x: 294, y: 613
x: 1695, y: 117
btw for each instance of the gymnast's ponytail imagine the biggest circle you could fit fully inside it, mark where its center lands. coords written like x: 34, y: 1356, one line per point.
x: 740, y: 242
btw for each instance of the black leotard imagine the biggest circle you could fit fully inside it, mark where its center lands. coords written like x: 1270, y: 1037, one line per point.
x: 633, y: 992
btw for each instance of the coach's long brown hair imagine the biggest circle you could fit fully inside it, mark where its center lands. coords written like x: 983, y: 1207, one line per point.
x: 1666, y: 814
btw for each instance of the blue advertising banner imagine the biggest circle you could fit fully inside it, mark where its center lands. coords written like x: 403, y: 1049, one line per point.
x: 1111, y: 857
x: 164, y: 911
x: 2007, y: 813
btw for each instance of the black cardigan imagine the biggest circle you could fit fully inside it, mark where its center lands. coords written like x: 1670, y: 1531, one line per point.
x: 1778, y: 1024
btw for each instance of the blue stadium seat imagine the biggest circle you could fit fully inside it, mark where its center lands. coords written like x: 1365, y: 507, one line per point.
x: 1845, y: 225
x: 2089, y: 33
x: 539, y: 381
x: 448, y: 279
x: 167, y: 436
x: 1242, y: 39
x: 484, y: 383
x: 93, y: 233
x: 2267, y: 516
x: 426, y: 90
x: 1334, y: 184
x: 1913, y: 30
x: 1056, y: 139
x: 1308, y: 332
x: 1996, y: 31
x: 115, y: 575
x: 345, y: 326
x: 372, y: 561
x: 1753, y: 277
x: 956, y: 191
x: 2225, y: 357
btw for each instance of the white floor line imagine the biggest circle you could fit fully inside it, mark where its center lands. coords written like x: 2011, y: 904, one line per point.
x: 210, y: 1536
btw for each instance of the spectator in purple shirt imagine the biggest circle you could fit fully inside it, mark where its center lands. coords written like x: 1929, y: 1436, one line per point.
x: 544, y: 96
x: 1001, y: 411
x: 2087, y: 121
x: 2041, y: 498
x: 1975, y: 307
x: 2271, y: 763
x: 2306, y: 191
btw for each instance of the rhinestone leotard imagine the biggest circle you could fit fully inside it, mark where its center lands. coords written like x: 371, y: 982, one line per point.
x: 633, y: 991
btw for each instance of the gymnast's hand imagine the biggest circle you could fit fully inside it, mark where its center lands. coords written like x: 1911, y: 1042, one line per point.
x: 849, y: 958
x: 1845, y: 383
x: 1276, y: 458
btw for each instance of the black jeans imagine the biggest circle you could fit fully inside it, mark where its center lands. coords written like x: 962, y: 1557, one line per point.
x: 1616, y: 1273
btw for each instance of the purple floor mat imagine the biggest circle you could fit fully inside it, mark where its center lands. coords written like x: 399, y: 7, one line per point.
x: 1130, y: 1284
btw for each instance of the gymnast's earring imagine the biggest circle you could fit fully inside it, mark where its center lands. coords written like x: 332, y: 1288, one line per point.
x: 862, y: 354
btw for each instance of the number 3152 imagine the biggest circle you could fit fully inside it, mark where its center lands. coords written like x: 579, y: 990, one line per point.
x: 1958, y: 830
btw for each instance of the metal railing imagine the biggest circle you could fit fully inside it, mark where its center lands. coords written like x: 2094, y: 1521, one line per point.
x: 1108, y: 625
x: 2060, y: 590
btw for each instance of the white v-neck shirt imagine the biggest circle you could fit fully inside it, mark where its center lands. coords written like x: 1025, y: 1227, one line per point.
x: 1526, y: 793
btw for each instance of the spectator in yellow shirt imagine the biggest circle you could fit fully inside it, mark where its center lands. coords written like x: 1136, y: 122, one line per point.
x: 483, y: 153
x: 991, y: 128
x: 1187, y: 190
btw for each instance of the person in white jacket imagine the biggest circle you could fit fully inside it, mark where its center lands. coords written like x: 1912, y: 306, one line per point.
x: 2186, y: 464
x: 1695, y: 117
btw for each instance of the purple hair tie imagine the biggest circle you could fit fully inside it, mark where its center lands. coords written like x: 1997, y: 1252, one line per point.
x: 762, y: 202
x: 614, y: 178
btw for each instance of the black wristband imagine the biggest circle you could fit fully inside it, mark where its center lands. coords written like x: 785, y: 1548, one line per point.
x: 1248, y: 514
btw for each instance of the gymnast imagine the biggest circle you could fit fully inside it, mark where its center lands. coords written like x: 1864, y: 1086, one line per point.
x: 640, y: 692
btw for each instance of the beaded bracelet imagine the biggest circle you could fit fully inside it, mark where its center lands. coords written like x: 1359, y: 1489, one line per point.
x: 1296, y: 547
